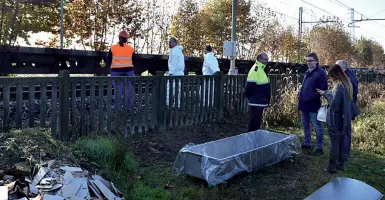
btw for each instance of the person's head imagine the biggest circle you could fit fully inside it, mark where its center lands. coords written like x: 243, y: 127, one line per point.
x: 208, y: 49
x: 337, y: 75
x: 263, y: 58
x: 312, y: 60
x: 343, y: 63
x: 123, y: 36
x: 172, y: 42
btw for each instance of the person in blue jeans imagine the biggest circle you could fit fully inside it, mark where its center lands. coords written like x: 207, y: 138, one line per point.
x: 309, y: 101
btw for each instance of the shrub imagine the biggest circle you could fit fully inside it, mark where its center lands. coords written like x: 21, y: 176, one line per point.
x: 284, y: 108
x: 368, y: 129
x: 369, y: 91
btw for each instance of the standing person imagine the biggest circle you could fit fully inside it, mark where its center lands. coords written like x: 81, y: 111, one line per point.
x: 310, y: 102
x: 176, y: 66
x: 210, y: 67
x: 258, y: 91
x: 120, y: 61
x: 353, y: 79
x: 338, y: 117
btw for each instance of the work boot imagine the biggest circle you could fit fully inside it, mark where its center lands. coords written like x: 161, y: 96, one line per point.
x: 318, y: 152
x: 340, y: 168
x: 330, y: 170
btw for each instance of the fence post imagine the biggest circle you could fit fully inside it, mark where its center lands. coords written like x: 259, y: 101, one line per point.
x: 219, y: 93
x: 63, y: 105
x: 159, y: 101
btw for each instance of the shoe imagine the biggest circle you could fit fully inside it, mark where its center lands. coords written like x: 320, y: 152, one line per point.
x: 331, y: 171
x: 318, y: 152
x: 340, y: 168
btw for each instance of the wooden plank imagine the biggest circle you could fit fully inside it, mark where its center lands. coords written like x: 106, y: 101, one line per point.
x: 188, y: 101
x: 211, y: 99
x: 101, y: 105
x: 92, y: 107
x: 181, y: 116
x: 106, y: 192
x: 132, y: 110
x: 31, y: 109
x: 118, y: 99
x: 139, y: 114
x: 197, y: 100
x: 109, y: 104
x: 54, y: 109
x: 19, y: 105
x: 177, y: 102
x: 207, y: 88
x: 6, y: 98
x: 83, y: 119
x: 73, y: 110
x: 202, y: 100
x: 170, y: 100
x: 147, y: 105
x: 125, y: 104
x: 43, y: 103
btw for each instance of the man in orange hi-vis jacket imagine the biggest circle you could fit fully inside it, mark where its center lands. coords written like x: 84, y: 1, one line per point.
x: 120, y: 61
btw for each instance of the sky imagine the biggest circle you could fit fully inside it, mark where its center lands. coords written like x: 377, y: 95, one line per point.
x: 314, y: 9
x: 289, y: 11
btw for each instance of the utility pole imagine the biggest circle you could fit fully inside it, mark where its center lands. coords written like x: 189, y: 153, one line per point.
x: 300, y: 22
x: 233, y: 37
x: 300, y: 34
x: 61, y: 24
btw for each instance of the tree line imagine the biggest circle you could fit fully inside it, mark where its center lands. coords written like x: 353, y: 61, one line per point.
x: 93, y: 24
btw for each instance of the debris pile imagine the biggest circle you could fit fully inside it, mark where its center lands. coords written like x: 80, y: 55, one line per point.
x: 54, y: 181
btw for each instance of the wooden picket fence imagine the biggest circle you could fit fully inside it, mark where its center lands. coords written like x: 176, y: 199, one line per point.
x: 77, y: 106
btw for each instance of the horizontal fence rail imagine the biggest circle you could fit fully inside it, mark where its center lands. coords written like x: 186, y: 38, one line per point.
x: 73, y: 107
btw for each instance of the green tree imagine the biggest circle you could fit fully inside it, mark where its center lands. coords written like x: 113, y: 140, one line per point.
x: 363, y: 52
x: 331, y: 42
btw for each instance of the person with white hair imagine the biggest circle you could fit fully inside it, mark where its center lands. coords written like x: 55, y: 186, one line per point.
x: 353, y: 79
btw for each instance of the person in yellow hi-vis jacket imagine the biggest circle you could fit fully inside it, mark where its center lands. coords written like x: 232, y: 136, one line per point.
x: 258, y: 91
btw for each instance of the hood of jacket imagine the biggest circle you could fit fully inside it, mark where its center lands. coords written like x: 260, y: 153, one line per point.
x: 179, y: 47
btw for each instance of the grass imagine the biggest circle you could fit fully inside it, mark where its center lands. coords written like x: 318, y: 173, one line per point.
x: 294, y: 178
x: 145, y: 161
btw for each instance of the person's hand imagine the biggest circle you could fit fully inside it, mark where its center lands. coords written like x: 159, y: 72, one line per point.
x: 321, y: 92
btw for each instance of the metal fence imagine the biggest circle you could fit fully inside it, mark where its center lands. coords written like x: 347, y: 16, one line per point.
x: 76, y: 106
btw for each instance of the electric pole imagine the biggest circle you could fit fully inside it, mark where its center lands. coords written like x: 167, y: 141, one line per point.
x: 300, y: 22
x: 233, y: 36
x: 300, y: 34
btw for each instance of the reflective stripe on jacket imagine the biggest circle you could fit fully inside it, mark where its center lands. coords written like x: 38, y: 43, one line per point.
x: 121, y: 56
x: 258, y: 86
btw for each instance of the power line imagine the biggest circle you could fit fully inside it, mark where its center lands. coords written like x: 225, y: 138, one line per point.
x: 377, y: 13
x: 324, y: 11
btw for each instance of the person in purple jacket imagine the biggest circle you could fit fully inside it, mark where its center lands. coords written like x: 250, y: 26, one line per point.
x: 309, y: 101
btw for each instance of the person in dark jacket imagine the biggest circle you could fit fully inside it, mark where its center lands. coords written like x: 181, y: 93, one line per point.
x: 353, y: 79
x: 309, y: 101
x: 338, y: 116
x: 258, y: 91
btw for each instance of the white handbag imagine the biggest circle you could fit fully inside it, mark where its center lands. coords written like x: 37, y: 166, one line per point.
x: 321, y: 115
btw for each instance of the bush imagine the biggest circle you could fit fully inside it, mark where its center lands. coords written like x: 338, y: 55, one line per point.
x: 369, y: 91
x: 284, y: 110
x: 368, y: 129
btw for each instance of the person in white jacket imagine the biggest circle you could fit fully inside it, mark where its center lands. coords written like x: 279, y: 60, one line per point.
x: 176, y: 66
x: 210, y: 67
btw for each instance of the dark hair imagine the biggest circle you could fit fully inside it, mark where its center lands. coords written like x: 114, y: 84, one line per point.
x: 174, y: 40
x: 337, y: 73
x: 313, y: 55
x: 208, y: 48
